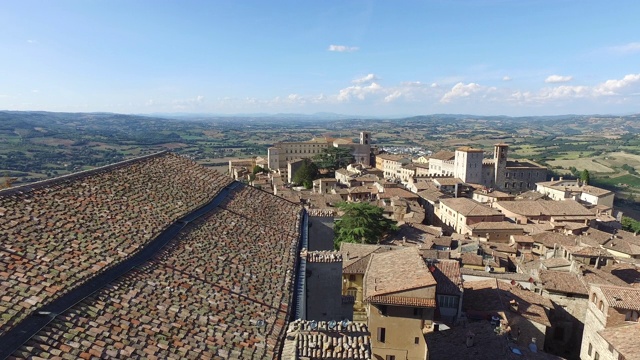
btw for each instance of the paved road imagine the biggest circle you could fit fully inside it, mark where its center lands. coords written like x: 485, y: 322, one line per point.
x: 41, y: 317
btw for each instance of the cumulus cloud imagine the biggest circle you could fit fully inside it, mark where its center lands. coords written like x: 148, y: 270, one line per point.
x: 358, y: 91
x: 611, y: 89
x: 393, y: 96
x: 460, y: 90
x: 343, y: 48
x: 367, y: 79
x: 629, y: 48
x: 32, y: 41
x: 552, y: 79
x: 506, y: 78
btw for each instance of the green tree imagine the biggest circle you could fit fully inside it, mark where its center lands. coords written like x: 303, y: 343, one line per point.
x: 305, y: 175
x: 333, y: 158
x: 630, y: 224
x: 361, y: 223
x: 258, y: 169
x: 585, y: 177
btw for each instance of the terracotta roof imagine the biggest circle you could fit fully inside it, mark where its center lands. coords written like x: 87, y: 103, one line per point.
x: 545, y: 207
x: 448, y: 181
x: 522, y: 239
x: 432, y: 195
x: 443, y: 155
x: 448, y: 277
x: 623, y: 246
x: 496, y: 225
x: 355, y: 257
x: 216, y: 279
x: 561, y: 281
x: 395, y: 271
x: 471, y: 259
x: 469, y: 149
x: 402, y: 301
x: 493, y: 295
x: 59, y: 233
x: 468, y: 207
x: 624, y: 298
x: 624, y: 339
x: 549, y: 239
x: 555, y: 263
x: 392, y: 192
x: 327, y: 340
x: 451, y: 344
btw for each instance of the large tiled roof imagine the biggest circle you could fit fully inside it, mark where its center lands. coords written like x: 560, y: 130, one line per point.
x: 561, y: 281
x: 59, y: 233
x: 392, y: 192
x: 448, y: 277
x: 619, y: 297
x: 395, y: 271
x: 546, y: 208
x: 355, y: 257
x: 468, y: 207
x: 443, y: 155
x: 493, y: 295
x: 320, y: 340
x: 212, y: 282
x: 624, y: 339
x: 549, y: 239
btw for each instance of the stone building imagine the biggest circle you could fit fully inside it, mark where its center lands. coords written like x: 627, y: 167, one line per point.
x: 611, y: 328
x: 400, y: 298
x: 281, y: 153
x: 469, y: 165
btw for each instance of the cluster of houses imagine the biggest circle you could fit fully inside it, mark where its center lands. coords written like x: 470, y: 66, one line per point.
x: 492, y: 260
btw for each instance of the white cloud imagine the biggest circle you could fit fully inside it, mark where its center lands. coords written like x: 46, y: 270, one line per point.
x: 343, y: 48
x: 552, y: 79
x: 506, y: 78
x: 434, y: 85
x: 393, y: 96
x: 460, y: 90
x: 629, y: 48
x: 367, y: 79
x: 358, y: 91
x: 611, y: 87
x: 32, y: 41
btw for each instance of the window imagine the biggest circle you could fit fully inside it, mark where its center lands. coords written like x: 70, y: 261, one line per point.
x: 381, y: 334
x: 352, y: 292
x: 590, y: 349
x: 390, y: 357
x: 352, y: 277
x: 597, y: 356
x: 416, y: 340
x: 601, y: 306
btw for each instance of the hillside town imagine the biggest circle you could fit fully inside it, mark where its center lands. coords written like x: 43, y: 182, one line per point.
x: 492, y: 259
x: 158, y: 257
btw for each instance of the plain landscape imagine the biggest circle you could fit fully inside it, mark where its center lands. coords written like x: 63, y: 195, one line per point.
x: 39, y: 145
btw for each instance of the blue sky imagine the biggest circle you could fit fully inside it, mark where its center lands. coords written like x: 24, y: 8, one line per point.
x: 391, y: 58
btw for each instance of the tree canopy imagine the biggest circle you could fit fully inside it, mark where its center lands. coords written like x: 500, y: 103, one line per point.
x: 361, y: 223
x: 630, y: 224
x: 333, y: 158
x: 585, y: 176
x: 305, y: 175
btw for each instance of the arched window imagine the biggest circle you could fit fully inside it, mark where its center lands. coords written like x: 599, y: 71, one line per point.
x: 601, y: 306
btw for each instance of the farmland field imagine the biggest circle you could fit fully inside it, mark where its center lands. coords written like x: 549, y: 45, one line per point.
x: 582, y: 163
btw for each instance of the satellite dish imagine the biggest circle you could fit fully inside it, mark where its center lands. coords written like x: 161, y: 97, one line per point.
x: 260, y: 322
x: 345, y: 323
x: 313, y: 325
x: 332, y: 324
